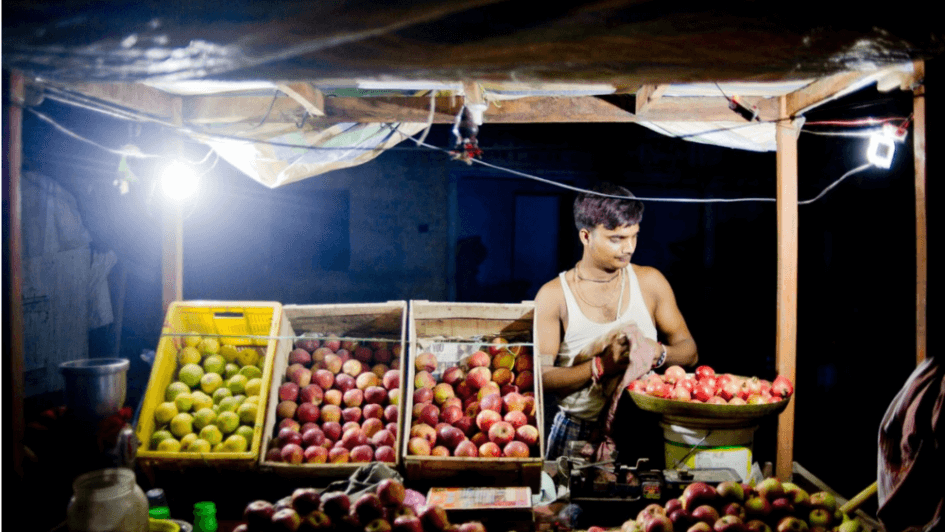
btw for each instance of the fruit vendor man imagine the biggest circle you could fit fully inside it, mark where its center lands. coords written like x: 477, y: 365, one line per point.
x: 577, y: 312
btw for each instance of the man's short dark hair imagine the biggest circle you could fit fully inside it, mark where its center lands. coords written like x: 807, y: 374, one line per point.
x: 591, y: 210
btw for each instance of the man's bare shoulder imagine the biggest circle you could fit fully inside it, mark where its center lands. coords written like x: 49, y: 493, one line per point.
x: 650, y: 278
x: 550, y: 293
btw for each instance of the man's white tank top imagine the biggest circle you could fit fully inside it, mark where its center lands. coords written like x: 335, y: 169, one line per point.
x: 587, y: 402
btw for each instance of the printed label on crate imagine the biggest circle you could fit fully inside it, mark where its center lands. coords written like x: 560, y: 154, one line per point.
x: 480, y: 498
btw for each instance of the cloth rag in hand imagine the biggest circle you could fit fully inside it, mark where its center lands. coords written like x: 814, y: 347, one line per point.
x: 628, y: 339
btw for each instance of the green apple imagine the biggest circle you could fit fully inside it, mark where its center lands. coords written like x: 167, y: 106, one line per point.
x: 170, y: 445
x: 228, y: 352
x: 212, y: 434
x: 230, y: 370
x: 218, y: 448
x: 188, y: 355
x: 199, y: 446
x: 182, y: 425
x: 174, y: 389
x: 214, y: 364
x: 251, y: 372
x: 184, y: 402
x: 252, y: 399
x: 229, y: 404
x: 247, y: 412
x: 235, y: 443
x: 228, y: 421
x: 158, y: 436
x: 165, y: 412
x: 237, y: 383
x: 204, y: 417
x: 187, y: 440
x: 190, y: 374
x: 193, y: 340
x: 253, y: 386
x: 220, y: 394
x: 210, y: 382
x: 209, y: 346
x: 247, y: 356
x: 246, y: 432
x: 201, y: 400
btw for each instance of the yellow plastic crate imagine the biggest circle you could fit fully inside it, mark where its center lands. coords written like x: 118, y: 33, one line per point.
x: 243, y: 323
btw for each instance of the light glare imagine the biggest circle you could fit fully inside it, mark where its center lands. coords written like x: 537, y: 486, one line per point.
x: 178, y: 181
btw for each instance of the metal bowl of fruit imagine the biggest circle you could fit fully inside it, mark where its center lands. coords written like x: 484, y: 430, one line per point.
x: 721, y: 413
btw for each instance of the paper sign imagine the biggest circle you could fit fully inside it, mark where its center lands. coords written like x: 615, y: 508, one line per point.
x: 480, y: 498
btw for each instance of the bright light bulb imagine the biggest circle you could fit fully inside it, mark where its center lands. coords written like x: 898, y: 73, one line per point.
x: 178, y: 181
x: 880, y: 151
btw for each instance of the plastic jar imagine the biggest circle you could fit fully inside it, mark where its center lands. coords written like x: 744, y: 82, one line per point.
x: 107, y: 500
x: 205, y: 517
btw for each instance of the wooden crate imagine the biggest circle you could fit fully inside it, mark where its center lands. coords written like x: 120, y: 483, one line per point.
x: 357, y: 321
x: 241, y: 323
x: 465, y: 327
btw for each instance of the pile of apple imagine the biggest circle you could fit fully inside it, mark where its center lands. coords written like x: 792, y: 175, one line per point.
x: 770, y: 506
x: 705, y: 386
x: 484, y: 407
x: 338, y: 403
x: 212, y: 404
x: 384, y: 510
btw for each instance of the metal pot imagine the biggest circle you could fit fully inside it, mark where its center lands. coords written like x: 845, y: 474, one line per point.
x: 95, y: 387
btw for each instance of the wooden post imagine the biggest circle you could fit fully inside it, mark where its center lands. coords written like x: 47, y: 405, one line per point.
x: 786, y: 353
x: 172, y: 264
x: 13, y: 164
x: 921, y: 247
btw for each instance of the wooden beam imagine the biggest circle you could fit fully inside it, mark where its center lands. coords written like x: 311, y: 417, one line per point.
x: 135, y: 96
x: 14, y: 314
x: 647, y: 95
x: 820, y: 90
x: 921, y: 247
x: 307, y: 96
x: 172, y: 261
x: 786, y: 348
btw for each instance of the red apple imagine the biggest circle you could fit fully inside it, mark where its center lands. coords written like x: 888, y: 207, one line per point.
x: 383, y: 437
x: 366, y: 379
x: 292, y: 453
x: 525, y: 380
x: 391, y: 379
x: 704, y: 372
x: 288, y: 391
x: 362, y: 453
x: 418, y: 446
x: 705, y: 513
x: 492, y: 402
x: 373, y: 410
x: 333, y: 397
x: 345, y: 382
x: 286, y: 409
x: 501, y: 433
x: 424, y: 431
x: 424, y: 379
x: 385, y: 453
x: 339, y: 455
x: 453, y: 375
x: 486, y: 418
x: 425, y: 361
x: 515, y: 449
x: 315, y: 454
x: 479, y: 359
x: 478, y: 377
x: 353, y: 397
x: 516, y: 418
x: 527, y: 434
x: 488, y: 450
x: 442, y: 392
x: 375, y: 395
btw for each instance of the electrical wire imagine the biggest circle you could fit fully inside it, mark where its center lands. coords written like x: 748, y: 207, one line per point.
x: 420, y: 142
x: 666, y: 200
x: 124, y: 153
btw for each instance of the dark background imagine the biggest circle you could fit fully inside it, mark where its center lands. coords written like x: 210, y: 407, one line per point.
x: 856, y: 272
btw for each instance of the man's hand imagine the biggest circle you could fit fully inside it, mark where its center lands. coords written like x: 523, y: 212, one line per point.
x: 615, y: 355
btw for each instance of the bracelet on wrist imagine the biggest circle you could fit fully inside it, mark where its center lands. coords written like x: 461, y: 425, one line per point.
x: 662, y: 358
x: 597, y: 369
